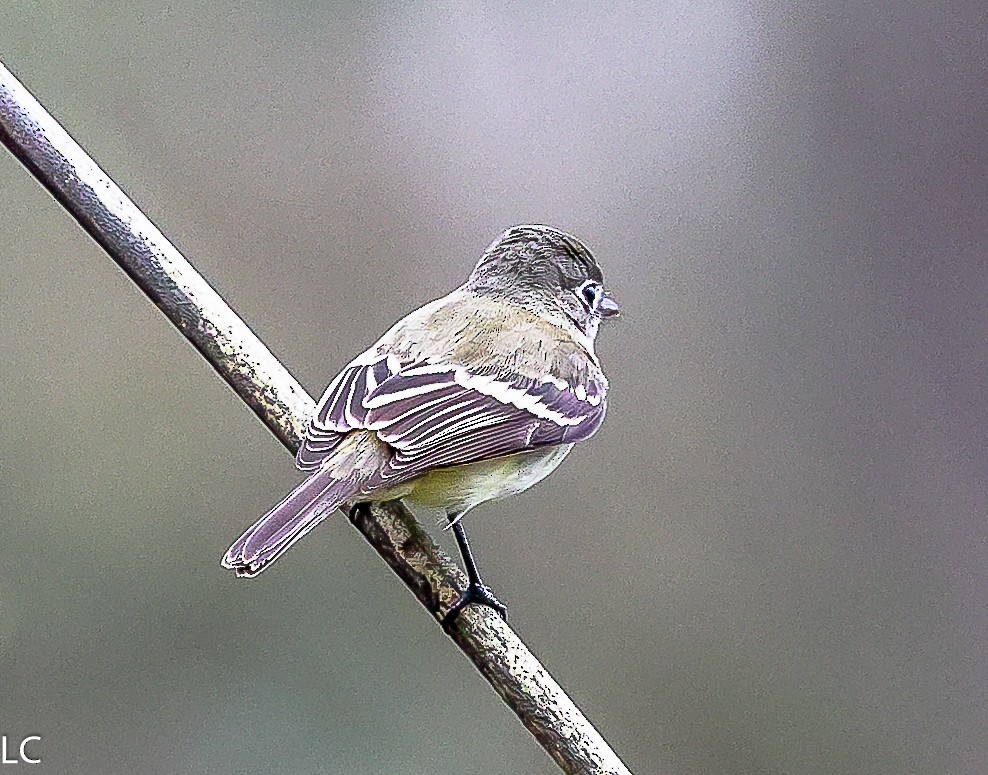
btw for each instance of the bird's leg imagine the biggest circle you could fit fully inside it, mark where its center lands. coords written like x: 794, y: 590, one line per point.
x: 477, y: 591
x: 358, y: 510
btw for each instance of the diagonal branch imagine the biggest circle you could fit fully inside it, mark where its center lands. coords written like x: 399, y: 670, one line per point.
x: 108, y: 215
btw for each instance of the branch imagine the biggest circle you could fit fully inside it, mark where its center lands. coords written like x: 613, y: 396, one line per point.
x: 265, y: 385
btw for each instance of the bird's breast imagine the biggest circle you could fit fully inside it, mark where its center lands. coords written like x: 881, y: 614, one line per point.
x: 458, y: 488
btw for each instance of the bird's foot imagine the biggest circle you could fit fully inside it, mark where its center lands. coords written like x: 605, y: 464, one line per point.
x: 475, y: 593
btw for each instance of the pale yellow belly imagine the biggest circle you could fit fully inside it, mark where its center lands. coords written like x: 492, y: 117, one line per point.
x: 459, y: 488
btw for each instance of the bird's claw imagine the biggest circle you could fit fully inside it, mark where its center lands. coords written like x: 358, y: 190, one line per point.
x: 475, y: 593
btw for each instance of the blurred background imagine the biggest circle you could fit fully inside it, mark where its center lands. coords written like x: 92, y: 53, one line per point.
x: 772, y: 558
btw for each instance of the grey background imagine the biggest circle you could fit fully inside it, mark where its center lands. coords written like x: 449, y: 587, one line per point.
x: 772, y: 559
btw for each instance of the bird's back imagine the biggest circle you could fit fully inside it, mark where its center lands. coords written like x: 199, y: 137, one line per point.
x: 503, y: 338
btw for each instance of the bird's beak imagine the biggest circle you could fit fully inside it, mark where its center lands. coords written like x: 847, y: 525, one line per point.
x: 608, y: 307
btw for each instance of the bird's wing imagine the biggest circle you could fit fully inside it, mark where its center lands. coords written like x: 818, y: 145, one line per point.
x: 331, y: 421
x: 439, y: 414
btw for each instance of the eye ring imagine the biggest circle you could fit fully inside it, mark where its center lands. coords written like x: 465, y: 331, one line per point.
x: 590, y: 292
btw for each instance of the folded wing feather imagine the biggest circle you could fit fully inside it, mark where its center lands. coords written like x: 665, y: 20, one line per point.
x: 439, y: 414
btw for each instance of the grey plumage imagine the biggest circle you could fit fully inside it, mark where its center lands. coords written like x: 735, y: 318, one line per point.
x: 462, y: 400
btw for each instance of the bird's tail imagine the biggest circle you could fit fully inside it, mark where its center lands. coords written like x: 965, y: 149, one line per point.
x: 338, y: 480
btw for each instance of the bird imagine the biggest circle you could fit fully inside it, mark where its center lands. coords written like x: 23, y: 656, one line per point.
x: 473, y: 397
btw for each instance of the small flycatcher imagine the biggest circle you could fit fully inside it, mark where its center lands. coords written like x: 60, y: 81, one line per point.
x: 475, y: 396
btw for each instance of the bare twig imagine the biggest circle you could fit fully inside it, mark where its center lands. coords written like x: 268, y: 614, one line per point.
x: 226, y: 342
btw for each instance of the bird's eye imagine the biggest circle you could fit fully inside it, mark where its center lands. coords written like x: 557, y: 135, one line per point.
x: 590, y: 293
